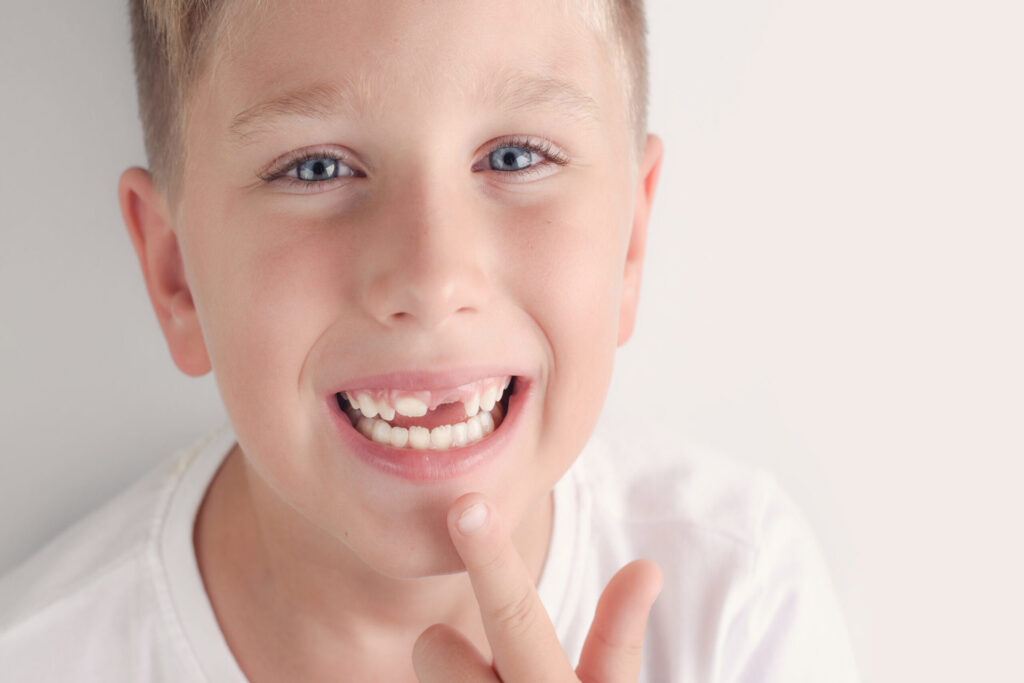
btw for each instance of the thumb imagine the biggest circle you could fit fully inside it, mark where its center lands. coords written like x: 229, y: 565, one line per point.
x: 611, y: 653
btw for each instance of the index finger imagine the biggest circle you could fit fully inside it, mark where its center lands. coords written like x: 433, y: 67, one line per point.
x: 518, y: 628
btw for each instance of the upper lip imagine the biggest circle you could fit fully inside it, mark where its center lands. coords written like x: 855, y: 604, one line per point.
x: 411, y: 380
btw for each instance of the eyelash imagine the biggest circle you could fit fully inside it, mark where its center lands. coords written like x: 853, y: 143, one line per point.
x: 541, y: 147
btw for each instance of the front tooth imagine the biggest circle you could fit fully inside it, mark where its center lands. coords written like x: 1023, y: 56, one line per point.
x: 399, y: 437
x: 410, y: 407
x: 381, y: 431
x: 419, y: 437
x: 441, y: 437
x: 460, y: 434
x: 487, y: 400
x: 472, y: 405
x: 367, y: 406
x: 486, y: 422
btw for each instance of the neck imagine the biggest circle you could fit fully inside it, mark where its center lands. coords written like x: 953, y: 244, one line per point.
x: 268, y: 569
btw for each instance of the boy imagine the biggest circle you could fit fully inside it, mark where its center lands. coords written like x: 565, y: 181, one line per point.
x: 407, y: 238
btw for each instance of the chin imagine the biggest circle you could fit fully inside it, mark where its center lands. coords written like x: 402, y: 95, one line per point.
x: 425, y: 562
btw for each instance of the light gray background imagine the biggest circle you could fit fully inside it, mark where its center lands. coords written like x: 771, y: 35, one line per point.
x: 833, y: 293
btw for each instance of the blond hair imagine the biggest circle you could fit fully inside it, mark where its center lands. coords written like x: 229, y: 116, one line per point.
x: 171, y: 39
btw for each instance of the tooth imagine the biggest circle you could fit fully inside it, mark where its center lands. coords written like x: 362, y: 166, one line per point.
x: 460, y: 434
x: 508, y: 380
x: 387, y: 411
x: 486, y: 422
x: 441, y: 437
x: 487, y: 400
x: 365, y: 427
x: 410, y: 407
x: 419, y: 437
x: 399, y: 437
x: 381, y: 431
x: 472, y: 405
x: 473, y: 429
x: 498, y: 394
x: 367, y: 405
x: 351, y: 399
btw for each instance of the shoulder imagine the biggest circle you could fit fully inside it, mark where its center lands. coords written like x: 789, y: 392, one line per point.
x: 708, y: 516
x: 746, y: 590
x: 645, y: 474
x: 95, y: 547
x: 100, y: 545
x: 90, y: 592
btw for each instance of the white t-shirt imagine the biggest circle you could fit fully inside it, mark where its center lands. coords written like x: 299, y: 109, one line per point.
x: 118, y: 596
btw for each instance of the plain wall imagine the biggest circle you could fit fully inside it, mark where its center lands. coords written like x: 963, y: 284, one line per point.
x: 833, y: 293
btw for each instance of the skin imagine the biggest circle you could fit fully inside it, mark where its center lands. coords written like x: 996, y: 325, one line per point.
x: 427, y: 258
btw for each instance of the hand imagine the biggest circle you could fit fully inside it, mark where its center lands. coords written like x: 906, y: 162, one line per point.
x: 520, y: 633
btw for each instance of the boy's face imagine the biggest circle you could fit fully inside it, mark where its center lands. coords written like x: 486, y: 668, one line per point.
x: 427, y: 254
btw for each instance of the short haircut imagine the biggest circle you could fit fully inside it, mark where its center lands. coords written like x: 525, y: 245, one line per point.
x: 171, y: 40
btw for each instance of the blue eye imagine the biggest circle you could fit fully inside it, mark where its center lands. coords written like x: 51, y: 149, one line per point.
x: 523, y: 158
x: 517, y: 158
x: 318, y: 167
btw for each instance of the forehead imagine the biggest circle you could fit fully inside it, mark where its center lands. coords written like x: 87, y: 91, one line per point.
x: 360, y: 58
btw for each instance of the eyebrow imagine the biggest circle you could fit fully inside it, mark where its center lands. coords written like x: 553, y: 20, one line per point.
x: 516, y: 91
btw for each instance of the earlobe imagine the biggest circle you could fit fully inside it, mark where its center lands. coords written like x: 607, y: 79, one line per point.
x: 147, y: 218
x: 650, y: 167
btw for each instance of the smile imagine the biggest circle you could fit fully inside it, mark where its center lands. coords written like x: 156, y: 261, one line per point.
x: 429, y: 420
x: 431, y: 434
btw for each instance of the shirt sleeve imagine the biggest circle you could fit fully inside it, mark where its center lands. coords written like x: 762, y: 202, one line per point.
x: 789, y: 626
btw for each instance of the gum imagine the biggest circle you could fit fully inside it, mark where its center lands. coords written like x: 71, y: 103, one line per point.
x: 433, y: 398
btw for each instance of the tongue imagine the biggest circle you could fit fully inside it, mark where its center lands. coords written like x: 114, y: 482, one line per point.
x: 444, y: 414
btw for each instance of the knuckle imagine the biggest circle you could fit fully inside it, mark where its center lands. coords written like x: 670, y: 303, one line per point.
x: 496, y: 561
x: 518, y: 616
x: 629, y: 649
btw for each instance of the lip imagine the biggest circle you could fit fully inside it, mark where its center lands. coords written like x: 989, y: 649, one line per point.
x: 430, y: 465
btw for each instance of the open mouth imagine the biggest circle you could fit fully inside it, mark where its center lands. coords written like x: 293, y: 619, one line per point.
x: 425, y: 420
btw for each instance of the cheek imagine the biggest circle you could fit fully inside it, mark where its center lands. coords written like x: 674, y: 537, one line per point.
x: 268, y: 300
x: 567, y: 267
x: 568, y: 262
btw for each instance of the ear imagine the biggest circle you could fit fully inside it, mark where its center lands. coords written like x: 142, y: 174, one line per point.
x: 650, y: 167
x: 146, y: 215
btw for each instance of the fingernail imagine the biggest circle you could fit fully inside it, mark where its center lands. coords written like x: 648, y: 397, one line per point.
x: 472, y: 518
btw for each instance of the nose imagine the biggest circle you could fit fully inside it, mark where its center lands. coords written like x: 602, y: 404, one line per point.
x: 427, y: 260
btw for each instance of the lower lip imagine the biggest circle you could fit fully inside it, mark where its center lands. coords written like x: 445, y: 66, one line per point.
x: 430, y: 465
